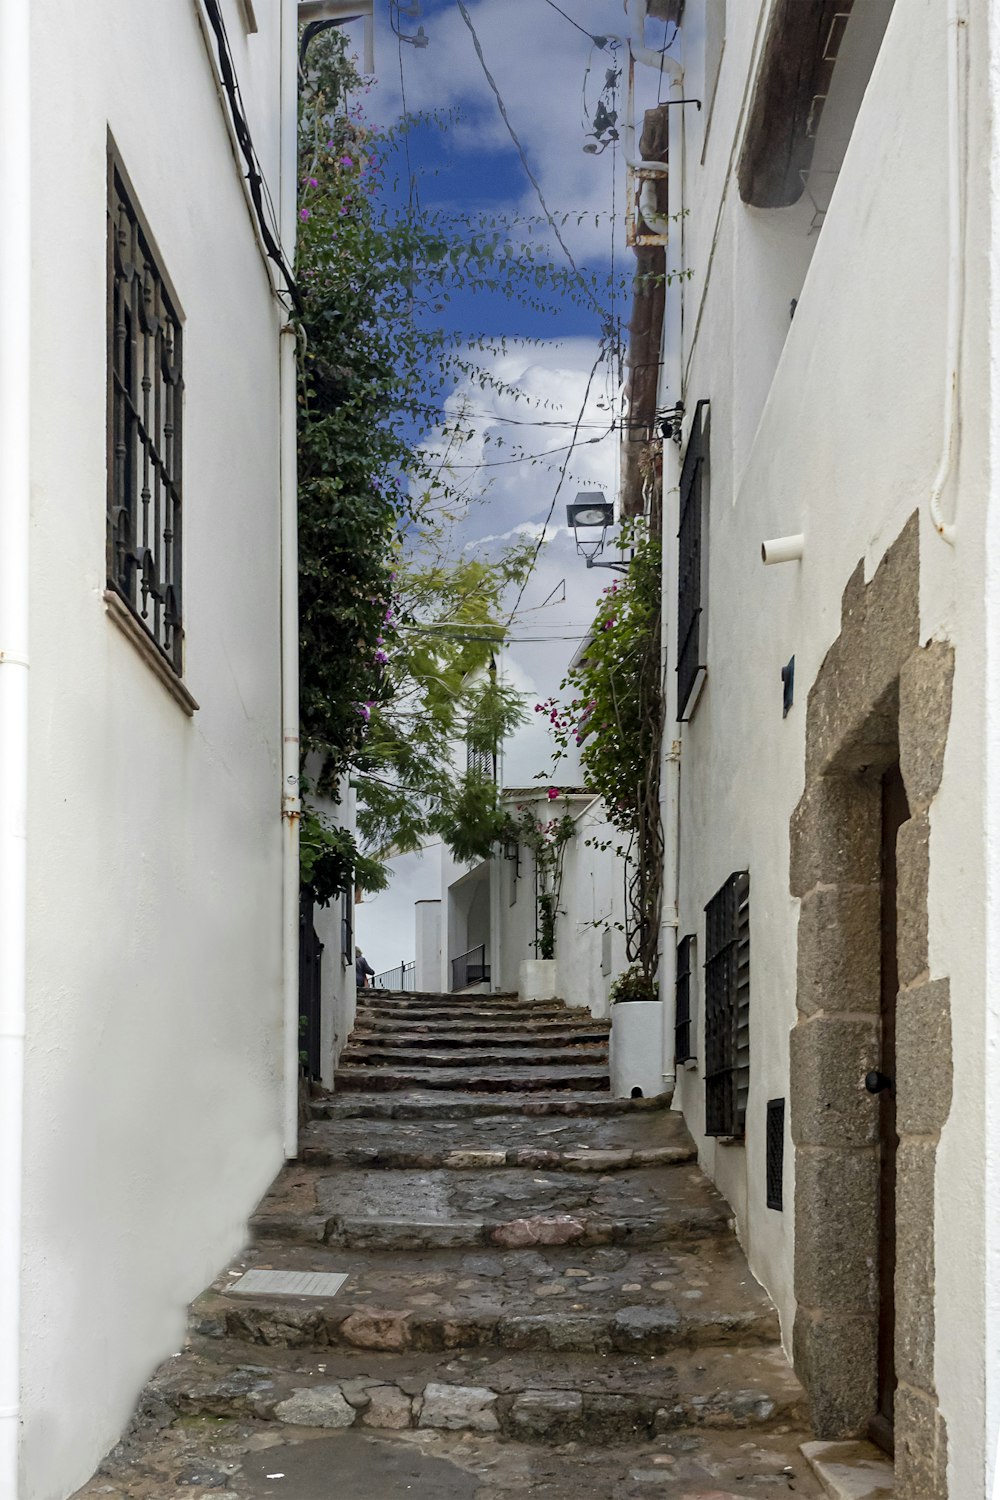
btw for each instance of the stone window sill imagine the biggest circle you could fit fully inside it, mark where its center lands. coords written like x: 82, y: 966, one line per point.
x: 119, y: 612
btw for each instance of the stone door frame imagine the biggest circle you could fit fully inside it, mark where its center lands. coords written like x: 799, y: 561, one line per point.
x: 878, y: 697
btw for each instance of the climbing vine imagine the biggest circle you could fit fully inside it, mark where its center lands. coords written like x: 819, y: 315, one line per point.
x: 616, y: 717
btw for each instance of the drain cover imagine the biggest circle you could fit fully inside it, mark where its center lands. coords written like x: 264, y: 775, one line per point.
x: 288, y: 1284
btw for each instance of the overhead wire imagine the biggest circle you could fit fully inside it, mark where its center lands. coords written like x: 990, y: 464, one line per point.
x: 502, y: 107
x: 260, y: 193
x: 597, y: 41
x: 598, y: 358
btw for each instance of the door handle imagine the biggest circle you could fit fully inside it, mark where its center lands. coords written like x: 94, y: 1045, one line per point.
x: 875, y: 1082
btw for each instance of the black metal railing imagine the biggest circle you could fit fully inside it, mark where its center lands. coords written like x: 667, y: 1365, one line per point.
x: 470, y: 968
x: 402, y: 978
x: 727, y: 1007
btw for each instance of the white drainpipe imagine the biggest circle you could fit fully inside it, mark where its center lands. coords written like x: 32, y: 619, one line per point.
x: 290, y: 804
x: 15, y: 370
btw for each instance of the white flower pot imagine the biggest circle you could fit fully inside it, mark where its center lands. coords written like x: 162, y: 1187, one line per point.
x: 636, y: 1049
x: 538, y: 979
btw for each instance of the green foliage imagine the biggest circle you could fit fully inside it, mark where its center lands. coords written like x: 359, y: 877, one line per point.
x: 615, y: 716
x: 330, y: 861
x: 633, y: 984
x: 396, y: 634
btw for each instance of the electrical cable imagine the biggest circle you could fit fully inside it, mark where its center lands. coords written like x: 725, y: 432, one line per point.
x: 562, y: 476
x: 525, y: 458
x: 464, y: 9
x: 597, y: 41
x: 259, y: 190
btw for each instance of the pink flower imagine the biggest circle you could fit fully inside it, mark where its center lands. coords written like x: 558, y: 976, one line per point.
x: 381, y: 657
x: 552, y: 793
x: 304, y: 214
x: 347, y: 161
x: 314, y: 182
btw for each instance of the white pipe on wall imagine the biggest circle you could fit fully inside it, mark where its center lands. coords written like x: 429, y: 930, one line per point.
x: 15, y: 368
x: 955, y: 142
x: 781, y: 549
x: 289, y: 526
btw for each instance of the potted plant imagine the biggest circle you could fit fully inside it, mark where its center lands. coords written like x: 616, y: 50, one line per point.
x: 636, y: 1046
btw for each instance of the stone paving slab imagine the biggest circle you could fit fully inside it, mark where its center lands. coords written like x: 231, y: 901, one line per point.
x: 614, y: 1397
x: 479, y: 1080
x: 396, y: 1209
x: 602, y: 1143
x: 420, y: 1104
x: 209, y: 1459
x: 541, y: 1299
x: 521, y: 1055
x: 447, y: 1033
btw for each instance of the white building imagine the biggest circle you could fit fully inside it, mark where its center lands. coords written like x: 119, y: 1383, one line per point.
x: 141, y: 382
x: 839, y: 791
x: 484, y: 926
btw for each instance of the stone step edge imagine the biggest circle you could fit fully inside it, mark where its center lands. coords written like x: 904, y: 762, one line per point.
x: 296, y: 1322
x: 363, y: 1054
x: 357, y: 1233
x: 452, y: 1035
x: 530, y: 1413
x: 469, y: 1158
x: 358, y: 1106
x: 390, y: 1080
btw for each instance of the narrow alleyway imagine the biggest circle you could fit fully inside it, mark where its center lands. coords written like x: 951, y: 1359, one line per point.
x: 543, y: 1294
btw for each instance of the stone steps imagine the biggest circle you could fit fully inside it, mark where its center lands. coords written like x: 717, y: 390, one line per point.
x: 449, y: 1034
x: 394, y: 1209
x: 543, y: 1293
x: 368, y: 1054
x: 476, y: 1080
x: 454, y: 1104
x: 549, y: 1398
x: 545, y: 1300
x: 598, y: 1144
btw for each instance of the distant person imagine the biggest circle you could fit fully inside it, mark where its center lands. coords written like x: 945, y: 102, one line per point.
x: 363, y: 969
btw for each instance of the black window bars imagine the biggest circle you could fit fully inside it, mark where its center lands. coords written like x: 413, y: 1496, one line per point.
x: 727, y: 1007
x: 691, y: 558
x: 145, y: 400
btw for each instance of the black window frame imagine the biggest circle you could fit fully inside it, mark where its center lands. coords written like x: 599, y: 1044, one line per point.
x: 692, y: 559
x: 727, y: 1007
x: 145, y: 421
x: 684, y: 1050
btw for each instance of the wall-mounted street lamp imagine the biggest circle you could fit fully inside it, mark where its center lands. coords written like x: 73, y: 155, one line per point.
x: 590, y: 512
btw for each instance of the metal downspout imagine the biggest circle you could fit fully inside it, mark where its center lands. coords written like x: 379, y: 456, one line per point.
x: 290, y: 803
x: 15, y: 367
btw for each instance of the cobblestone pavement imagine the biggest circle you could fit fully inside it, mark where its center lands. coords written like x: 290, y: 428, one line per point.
x: 543, y: 1293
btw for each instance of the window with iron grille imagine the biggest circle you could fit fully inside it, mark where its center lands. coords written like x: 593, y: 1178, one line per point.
x: 727, y: 1007
x: 145, y: 397
x: 775, y: 1153
x: 691, y: 561
x: 480, y: 763
x: 683, y: 1049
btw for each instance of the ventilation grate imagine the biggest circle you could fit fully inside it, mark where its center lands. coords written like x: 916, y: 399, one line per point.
x: 775, y: 1152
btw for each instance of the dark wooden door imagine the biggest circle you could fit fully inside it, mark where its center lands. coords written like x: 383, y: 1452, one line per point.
x: 895, y: 812
x: 310, y: 991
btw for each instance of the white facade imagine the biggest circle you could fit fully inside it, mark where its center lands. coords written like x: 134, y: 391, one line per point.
x: 835, y: 423
x: 493, y: 903
x: 154, y: 1091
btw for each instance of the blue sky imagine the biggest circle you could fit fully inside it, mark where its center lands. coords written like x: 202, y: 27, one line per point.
x: 540, y: 62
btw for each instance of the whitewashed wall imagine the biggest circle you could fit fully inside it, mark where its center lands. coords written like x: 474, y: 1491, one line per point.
x: 832, y: 424
x: 154, y: 1090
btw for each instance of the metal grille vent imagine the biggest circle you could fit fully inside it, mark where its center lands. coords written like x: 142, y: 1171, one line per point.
x: 690, y: 560
x: 727, y: 1007
x: 775, y: 1152
x: 683, y: 1050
